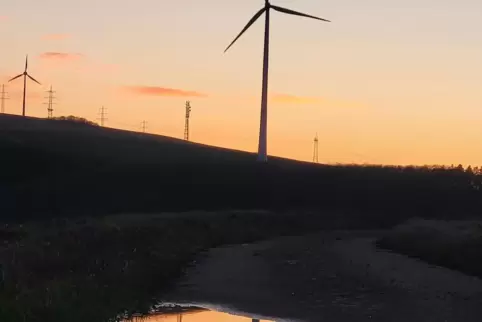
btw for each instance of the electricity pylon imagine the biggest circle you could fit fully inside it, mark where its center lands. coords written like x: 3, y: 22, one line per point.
x: 186, y: 125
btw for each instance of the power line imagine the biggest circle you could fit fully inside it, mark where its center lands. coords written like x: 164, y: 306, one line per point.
x: 144, y: 126
x: 102, y: 113
x: 3, y: 97
x: 186, y: 125
x: 50, y: 102
x: 315, y: 149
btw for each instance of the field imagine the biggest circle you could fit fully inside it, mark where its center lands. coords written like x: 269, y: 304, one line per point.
x: 97, y: 222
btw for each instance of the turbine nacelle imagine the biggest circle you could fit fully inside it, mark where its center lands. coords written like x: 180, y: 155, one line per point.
x: 268, y: 6
x: 25, y: 74
x: 262, y: 145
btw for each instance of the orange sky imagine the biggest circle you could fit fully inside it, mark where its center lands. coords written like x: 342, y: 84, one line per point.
x: 392, y: 83
x: 205, y: 316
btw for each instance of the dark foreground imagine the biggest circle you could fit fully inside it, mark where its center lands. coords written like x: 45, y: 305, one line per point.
x: 97, y: 269
x: 101, y: 269
x: 62, y: 266
x: 337, y: 276
x: 52, y: 168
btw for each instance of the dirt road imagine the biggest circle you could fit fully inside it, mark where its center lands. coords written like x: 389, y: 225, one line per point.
x: 338, y: 276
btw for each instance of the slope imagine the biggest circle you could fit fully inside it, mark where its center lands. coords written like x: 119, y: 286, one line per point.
x: 60, y: 168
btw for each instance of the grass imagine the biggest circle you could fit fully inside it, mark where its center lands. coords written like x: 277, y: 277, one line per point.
x: 452, y: 244
x: 98, y: 269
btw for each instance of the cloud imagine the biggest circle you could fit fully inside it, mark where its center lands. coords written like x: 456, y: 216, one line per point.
x: 292, y: 99
x: 55, y: 36
x: 162, y: 91
x: 60, y: 56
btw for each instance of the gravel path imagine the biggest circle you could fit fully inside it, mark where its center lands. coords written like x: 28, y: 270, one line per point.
x: 337, y: 276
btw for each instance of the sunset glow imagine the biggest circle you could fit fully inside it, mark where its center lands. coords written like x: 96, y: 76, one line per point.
x: 390, y: 83
x: 197, y: 316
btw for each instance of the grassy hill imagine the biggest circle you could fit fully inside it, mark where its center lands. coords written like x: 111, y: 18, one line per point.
x: 60, y: 168
x: 61, y: 270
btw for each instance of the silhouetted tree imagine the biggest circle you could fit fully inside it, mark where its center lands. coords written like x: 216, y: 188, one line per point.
x: 75, y: 119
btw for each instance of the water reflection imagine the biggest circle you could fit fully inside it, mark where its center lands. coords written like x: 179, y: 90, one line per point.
x: 194, y: 315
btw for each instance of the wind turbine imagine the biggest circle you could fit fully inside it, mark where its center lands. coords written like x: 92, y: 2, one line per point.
x: 25, y: 75
x: 262, y: 145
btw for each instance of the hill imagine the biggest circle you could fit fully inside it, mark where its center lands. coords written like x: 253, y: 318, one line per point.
x: 61, y: 168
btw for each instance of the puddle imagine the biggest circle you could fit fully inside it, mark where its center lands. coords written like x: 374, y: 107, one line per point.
x: 192, y: 314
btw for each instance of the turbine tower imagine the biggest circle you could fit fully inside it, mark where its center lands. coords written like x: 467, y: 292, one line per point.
x: 262, y: 145
x: 25, y: 75
x: 186, y: 125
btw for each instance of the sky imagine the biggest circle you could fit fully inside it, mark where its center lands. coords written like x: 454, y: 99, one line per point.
x: 203, y: 316
x: 386, y: 82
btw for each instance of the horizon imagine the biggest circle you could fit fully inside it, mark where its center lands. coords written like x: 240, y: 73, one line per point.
x: 474, y: 167
x: 405, y: 94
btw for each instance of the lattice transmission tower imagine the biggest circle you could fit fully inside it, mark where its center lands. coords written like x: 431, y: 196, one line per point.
x: 143, y: 126
x: 50, y: 102
x: 102, y: 114
x: 3, y: 98
x: 186, y: 125
x: 315, y: 149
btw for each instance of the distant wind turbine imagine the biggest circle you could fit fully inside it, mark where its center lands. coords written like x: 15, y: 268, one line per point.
x: 262, y: 147
x: 25, y: 75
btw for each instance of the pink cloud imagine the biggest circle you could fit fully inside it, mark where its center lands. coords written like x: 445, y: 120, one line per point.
x: 60, y: 56
x: 162, y: 91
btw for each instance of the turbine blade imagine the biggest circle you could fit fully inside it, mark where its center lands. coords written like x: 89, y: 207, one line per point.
x: 33, y: 79
x: 26, y: 62
x: 295, y: 13
x: 255, y: 17
x: 16, y: 77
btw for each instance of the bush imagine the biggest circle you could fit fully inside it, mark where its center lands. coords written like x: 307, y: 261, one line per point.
x: 452, y: 244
